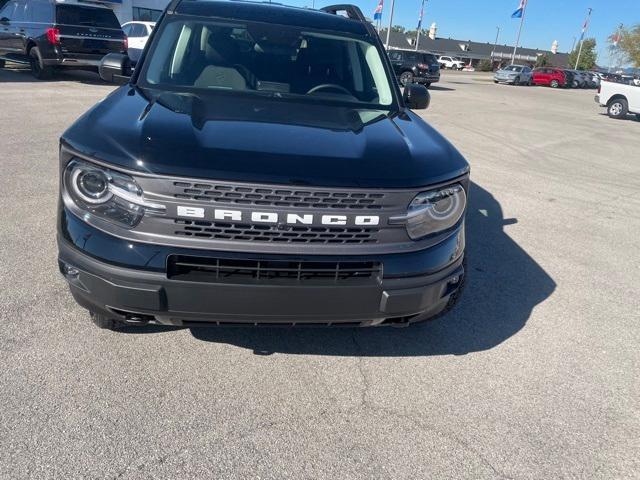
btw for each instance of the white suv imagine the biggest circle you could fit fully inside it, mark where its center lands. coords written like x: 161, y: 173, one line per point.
x: 137, y: 35
x: 450, y: 62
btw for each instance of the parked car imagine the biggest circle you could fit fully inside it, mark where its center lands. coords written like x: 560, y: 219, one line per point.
x: 137, y: 35
x: 552, y: 77
x: 260, y: 166
x: 514, y: 74
x: 620, y: 99
x: 570, y: 79
x: 450, y: 62
x: 48, y: 35
x: 580, y: 78
x: 418, y: 67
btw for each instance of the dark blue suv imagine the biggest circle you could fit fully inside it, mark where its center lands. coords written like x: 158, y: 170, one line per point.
x: 260, y: 166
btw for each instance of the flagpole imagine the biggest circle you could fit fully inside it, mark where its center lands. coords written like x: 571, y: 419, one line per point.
x: 584, y: 29
x: 390, y: 23
x: 419, y: 26
x: 515, y: 49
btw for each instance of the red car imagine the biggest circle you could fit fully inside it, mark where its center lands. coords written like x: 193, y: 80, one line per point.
x: 552, y: 77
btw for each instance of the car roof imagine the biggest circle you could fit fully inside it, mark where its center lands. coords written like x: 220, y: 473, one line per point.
x: 151, y: 24
x: 409, y: 51
x: 271, y: 13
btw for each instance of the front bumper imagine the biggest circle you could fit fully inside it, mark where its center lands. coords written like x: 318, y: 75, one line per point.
x: 143, y: 295
x: 504, y: 79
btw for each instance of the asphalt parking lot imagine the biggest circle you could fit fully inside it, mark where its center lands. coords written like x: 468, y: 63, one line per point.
x: 534, y: 375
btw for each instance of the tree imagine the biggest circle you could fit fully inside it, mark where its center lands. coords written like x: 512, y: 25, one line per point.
x: 587, y: 57
x: 543, y: 60
x: 398, y: 28
x: 630, y: 44
x: 485, y: 66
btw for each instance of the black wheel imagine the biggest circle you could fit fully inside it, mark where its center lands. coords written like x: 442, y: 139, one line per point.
x: 105, y: 323
x: 38, y: 69
x: 495, y: 81
x: 638, y: 117
x: 554, y: 84
x: 406, y: 78
x: 2, y: 63
x: 516, y: 82
x: 617, y: 108
x: 427, y: 84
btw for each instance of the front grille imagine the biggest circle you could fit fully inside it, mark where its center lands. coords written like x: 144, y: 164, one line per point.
x: 221, y: 270
x: 277, y: 197
x: 274, y: 234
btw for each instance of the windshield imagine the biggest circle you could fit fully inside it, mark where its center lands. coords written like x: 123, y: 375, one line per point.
x: 94, y: 17
x: 265, y: 59
x: 513, y: 68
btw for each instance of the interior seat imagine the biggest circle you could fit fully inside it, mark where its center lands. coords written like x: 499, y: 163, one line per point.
x: 219, y: 72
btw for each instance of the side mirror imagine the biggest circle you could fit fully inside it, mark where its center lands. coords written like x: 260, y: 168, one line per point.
x: 416, y: 97
x: 4, y: 21
x: 115, y: 68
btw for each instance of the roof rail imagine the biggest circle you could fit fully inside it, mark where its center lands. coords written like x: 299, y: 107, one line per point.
x: 352, y: 11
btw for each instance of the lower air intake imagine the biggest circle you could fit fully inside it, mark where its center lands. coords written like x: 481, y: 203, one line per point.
x: 226, y: 270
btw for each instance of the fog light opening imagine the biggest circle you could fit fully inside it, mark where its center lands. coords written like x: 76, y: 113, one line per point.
x: 70, y: 271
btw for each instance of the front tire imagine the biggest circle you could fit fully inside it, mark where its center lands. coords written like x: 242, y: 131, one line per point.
x: 104, y: 322
x: 38, y: 69
x: 406, y: 78
x: 554, y: 84
x: 516, y: 82
x: 618, y: 108
x: 2, y: 63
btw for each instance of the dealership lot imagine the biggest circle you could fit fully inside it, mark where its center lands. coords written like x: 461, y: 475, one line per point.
x: 534, y: 375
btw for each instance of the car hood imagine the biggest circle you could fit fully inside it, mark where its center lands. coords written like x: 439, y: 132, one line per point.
x: 259, y: 140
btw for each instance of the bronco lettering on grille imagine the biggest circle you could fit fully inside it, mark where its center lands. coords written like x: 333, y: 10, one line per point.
x: 276, y: 218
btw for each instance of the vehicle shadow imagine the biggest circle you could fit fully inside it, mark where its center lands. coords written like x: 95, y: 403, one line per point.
x: 504, y: 285
x: 23, y: 75
x: 630, y: 116
x: 440, y: 88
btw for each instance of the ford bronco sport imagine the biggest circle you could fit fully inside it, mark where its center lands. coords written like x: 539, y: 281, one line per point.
x: 260, y: 166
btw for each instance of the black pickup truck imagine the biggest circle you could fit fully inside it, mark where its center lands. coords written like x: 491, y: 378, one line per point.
x: 260, y: 166
x: 48, y: 35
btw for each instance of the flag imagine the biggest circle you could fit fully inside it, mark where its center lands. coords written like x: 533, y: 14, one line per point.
x: 377, y: 14
x: 585, y: 25
x: 520, y: 10
x: 421, y: 15
x: 615, y: 38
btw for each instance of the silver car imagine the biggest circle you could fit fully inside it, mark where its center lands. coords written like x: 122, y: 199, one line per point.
x: 514, y: 74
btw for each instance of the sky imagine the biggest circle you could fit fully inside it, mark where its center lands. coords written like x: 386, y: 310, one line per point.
x: 545, y: 20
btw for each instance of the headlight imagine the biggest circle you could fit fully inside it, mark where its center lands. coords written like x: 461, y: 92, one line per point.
x: 109, y: 195
x: 433, y: 211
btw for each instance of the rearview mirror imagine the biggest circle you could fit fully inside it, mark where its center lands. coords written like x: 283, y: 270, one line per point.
x: 416, y: 97
x: 115, y: 68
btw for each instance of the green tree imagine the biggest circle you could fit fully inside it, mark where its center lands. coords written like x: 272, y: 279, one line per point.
x: 398, y: 28
x: 630, y: 44
x: 543, y: 60
x: 485, y: 66
x: 587, y: 57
